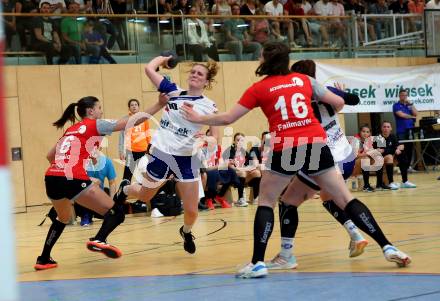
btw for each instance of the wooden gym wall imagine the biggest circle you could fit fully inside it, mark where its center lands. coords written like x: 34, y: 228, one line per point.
x: 37, y: 95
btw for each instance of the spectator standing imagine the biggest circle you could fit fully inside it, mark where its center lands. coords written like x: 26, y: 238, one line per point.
x: 133, y: 142
x: 405, y: 114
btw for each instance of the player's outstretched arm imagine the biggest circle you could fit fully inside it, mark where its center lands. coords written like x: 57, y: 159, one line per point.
x: 214, y: 119
x: 140, y: 117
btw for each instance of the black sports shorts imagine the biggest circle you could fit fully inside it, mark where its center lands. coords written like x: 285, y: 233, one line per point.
x: 58, y: 188
x: 312, y: 159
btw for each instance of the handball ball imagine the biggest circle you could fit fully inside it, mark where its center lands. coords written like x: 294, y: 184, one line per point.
x: 172, y: 62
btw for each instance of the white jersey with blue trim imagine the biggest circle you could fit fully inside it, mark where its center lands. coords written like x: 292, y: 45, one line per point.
x: 336, y: 139
x: 175, y: 135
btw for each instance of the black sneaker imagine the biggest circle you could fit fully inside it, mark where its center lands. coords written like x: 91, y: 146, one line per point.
x: 383, y: 187
x: 120, y: 197
x: 368, y: 189
x: 188, y: 241
x: 45, y: 263
x: 202, y: 207
x: 138, y: 207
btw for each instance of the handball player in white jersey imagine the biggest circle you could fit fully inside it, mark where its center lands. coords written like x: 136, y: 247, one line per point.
x: 172, y: 151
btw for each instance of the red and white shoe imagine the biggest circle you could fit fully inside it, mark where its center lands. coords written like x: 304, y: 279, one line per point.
x: 393, y: 254
x: 105, y: 248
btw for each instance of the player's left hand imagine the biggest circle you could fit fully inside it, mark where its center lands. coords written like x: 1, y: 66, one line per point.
x: 163, y: 99
x: 189, y: 114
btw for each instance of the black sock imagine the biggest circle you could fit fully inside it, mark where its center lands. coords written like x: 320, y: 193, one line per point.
x: 390, y: 169
x: 379, y: 175
x: 404, y: 172
x: 263, y: 226
x: 255, y: 184
x: 366, y: 176
x: 210, y: 193
x: 113, y: 218
x: 240, y: 187
x: 364, y: 220
x: 335, y: 211
x: 288, y: 220
x: 223, y: 189
x: 55, y: 231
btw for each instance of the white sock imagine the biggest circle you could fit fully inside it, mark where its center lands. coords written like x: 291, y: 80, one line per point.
x: 187, y: 228
x: 286, y: 247
x: 353, y: 231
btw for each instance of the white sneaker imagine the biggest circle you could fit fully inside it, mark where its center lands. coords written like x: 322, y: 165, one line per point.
x: 281, y: 263
x: 393, y: 254
x: 251, y: 270
x: 394, y: 186
x: 255, y: 201
x: 156, y: 213
x: 357, y: 247
x: 408, y: 184
x: 241, y: 203
x: 411, y: 170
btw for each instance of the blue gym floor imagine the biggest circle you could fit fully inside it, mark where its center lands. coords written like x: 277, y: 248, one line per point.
x: 277, y: 286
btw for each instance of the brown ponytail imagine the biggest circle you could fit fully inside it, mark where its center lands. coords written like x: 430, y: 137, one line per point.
x: 83, y: 104
x: 68, y: 115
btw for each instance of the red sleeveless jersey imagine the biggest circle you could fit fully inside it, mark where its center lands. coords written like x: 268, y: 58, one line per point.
x: 74, y: 149
x: 286, y: 102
